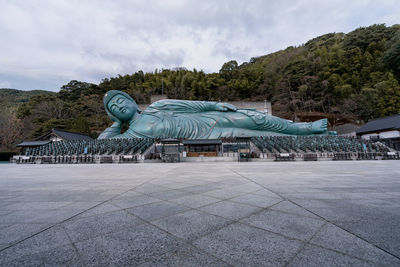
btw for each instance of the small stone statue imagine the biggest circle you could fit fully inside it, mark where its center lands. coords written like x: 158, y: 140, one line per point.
x: 196, y: 120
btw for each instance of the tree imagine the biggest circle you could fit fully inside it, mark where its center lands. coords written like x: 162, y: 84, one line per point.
x: 389, y: 100
x: 73, y: 90
x: 80, y: 125
x: 363, y: 36
x: 228, y: 70
x: 11, y: 131
x: 391, y: 58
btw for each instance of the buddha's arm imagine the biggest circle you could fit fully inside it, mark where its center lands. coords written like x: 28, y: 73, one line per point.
x: 190, y: 106
x: 111, y: 131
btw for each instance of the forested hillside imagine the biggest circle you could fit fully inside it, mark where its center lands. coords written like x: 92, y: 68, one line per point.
x: 11, y: 128
x: 354, y: 75
x: 12, y: 98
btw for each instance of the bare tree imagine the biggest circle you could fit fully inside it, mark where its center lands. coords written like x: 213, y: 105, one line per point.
x: 10, y: 132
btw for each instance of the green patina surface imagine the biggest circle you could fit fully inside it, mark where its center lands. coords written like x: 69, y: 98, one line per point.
x: 196, y: 120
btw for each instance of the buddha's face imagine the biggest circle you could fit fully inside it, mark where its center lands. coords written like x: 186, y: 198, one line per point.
x: 122, y: 107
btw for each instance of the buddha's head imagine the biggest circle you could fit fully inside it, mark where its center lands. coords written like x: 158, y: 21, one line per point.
x: 120, y: 105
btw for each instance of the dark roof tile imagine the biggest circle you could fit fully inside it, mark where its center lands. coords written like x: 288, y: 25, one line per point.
x: 386, y: 123
x: 33, y: 143
x: 70, y: 136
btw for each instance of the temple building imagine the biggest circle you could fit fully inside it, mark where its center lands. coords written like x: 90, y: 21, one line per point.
x: 54, y: 135
x: 386, y: 129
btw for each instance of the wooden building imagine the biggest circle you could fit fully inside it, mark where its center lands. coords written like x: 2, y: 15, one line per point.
x: 54, y: 135
x: 386, y: 129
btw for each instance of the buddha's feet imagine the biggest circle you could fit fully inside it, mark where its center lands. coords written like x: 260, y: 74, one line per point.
x: 319, y: 126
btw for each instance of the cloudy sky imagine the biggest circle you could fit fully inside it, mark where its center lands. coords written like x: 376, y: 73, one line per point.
x: 45, y: 44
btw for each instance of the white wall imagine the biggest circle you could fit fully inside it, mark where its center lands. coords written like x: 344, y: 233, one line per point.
x: 258, y: 105
x: 382, y: 135
x: 389, y: 134
x: 368, y: 136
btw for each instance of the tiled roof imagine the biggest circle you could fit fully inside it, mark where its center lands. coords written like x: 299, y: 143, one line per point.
x: 65, y: 135
x: 386, y: 123
x: 70, y: 136
x: 33, y: 143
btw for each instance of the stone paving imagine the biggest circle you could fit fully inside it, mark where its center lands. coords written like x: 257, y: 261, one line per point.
x: 201, y: 214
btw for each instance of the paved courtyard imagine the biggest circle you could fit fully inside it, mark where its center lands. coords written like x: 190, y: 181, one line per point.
x: 201, y: 214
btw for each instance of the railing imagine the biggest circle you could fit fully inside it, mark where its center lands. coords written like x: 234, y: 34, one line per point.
x: 368, y: 156
x: 391, y: 155
x: 342, y: 156
x: 284, y: 157
x: 310, y: 157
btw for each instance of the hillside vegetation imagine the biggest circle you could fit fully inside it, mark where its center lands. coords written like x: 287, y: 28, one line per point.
x: 12, y: 98
x: 11, y: 128
x: 353, y: 76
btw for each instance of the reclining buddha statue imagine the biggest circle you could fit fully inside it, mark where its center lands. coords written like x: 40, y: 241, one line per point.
x: 196, y: 120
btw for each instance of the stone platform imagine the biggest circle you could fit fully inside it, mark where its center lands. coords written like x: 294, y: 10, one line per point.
x: 201, y: 214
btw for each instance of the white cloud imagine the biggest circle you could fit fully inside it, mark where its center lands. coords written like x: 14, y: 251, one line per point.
x: 5, y: 84
x: 57, y: 41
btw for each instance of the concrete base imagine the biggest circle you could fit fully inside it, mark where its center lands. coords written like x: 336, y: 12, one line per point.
x: 208, y: 159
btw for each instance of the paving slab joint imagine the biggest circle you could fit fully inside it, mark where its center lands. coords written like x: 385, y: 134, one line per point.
x: 323, y: 218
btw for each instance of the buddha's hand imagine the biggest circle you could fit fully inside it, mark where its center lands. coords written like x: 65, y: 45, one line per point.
x: 225, y: 107
x: 117, y: 123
